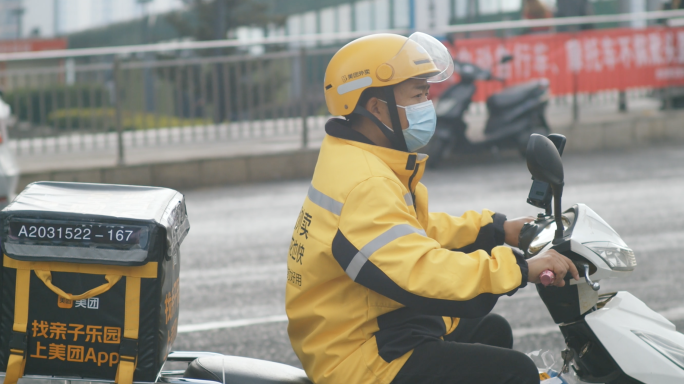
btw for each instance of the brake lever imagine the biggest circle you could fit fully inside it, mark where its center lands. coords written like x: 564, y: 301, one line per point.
x: 595, y: 285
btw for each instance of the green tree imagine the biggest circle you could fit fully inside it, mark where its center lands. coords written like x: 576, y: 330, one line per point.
x: 211, y: 19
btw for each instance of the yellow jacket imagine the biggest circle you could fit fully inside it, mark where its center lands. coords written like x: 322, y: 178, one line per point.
x: 372, y: 274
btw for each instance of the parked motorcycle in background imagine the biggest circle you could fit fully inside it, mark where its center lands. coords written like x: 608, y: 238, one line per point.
x: 513, y: 114
x: 9, y: 171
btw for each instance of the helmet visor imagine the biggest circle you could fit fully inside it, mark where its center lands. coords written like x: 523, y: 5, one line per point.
x: 423, y: 57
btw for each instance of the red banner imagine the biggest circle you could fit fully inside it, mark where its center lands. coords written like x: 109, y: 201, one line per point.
x: 30, y: 45
x: 587, y: 61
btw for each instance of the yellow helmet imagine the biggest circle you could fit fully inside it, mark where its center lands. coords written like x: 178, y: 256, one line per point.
x: 382, y: 60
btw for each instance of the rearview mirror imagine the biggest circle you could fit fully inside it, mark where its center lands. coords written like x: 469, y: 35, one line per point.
x: 544, y: 161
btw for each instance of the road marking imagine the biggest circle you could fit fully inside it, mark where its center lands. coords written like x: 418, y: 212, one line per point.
x: 672, y: 314
x: 230, y: 324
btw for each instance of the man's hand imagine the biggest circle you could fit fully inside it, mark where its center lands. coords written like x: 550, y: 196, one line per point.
x: 512, y: 229
x: 559, y: 264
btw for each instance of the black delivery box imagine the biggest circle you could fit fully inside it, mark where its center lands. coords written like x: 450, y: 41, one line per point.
x: 90, y: 280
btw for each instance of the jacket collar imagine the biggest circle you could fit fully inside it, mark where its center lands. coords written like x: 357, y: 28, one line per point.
x: 408, y: 167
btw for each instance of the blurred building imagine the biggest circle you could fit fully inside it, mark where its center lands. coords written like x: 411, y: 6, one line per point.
x: 96, y: 23
x: 339, y: 16
x: 78, y: 15
x: 50, y: 18
x: 11, y: 12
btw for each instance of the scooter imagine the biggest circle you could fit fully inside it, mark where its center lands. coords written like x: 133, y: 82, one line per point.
x: 514, y: 114
x: 611, y: 338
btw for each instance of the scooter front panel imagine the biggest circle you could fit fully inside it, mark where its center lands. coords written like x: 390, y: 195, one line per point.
x: 614, y: 324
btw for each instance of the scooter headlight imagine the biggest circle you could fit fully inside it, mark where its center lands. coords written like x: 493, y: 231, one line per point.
x: 674, y: 352
x: 617, y: 257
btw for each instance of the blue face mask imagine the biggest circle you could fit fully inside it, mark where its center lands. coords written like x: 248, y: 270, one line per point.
x: 422, y: 120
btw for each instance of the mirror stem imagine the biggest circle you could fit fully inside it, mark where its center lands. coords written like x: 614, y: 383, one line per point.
x: 548, y: 209
x: 557, y: 193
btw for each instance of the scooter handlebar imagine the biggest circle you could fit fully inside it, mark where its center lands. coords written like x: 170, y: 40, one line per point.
x: 547, y: 277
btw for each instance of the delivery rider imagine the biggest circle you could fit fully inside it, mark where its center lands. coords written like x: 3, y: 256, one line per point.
x: 379, y: 289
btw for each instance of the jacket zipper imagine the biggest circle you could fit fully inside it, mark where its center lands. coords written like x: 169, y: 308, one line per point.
x: 413, y: 194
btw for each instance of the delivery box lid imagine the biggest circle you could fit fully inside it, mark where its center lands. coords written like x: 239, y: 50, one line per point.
x: 92, y: 223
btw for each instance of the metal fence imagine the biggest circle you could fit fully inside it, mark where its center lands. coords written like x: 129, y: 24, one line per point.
x: 133, y: 103
x: 146, y: 102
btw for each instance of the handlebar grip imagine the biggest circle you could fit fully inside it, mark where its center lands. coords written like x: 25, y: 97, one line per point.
x: 547, y: 277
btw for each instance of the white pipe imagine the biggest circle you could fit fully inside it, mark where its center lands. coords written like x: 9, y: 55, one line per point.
x: 679, y: 22
x: 554, y: 22
x: 191, y: 45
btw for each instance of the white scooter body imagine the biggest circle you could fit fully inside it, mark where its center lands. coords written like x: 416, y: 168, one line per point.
x: 634, y: 335
x: 615, y: 324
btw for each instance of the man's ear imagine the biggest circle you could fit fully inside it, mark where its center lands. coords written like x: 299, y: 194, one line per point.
x: 376, y: 107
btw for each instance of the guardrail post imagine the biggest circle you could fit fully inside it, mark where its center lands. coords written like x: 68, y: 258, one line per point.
x: 303, y: 96
x: 668, y: 98
x: 120, y: 160
x: 622, y: 101
x: 575, y: 102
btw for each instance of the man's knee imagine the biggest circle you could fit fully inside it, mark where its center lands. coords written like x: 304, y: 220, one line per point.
x: 523, y: 368
x: 500, y: 329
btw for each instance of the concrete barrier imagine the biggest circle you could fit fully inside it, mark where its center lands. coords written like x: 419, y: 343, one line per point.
x: 625, y: 133
x: 589, y: 136
x: 192, y: 174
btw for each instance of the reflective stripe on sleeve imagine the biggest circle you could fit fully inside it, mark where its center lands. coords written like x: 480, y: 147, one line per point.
x: 367, y: 251
x: 408, y: 199
x: 366, y: 273
x: 328, y: 203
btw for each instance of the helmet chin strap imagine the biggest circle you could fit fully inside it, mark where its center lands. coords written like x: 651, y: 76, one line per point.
x: 394, y: 118
x: 395, y: 136
x: 359, y: 110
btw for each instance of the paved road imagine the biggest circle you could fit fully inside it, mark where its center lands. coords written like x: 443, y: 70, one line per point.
x: 234, y: 267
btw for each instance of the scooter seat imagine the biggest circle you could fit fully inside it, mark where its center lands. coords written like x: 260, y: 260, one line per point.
x: 512, y: 96
x: 243, y: 370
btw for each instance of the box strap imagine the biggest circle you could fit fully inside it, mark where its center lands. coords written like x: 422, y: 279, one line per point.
x: 128, y: 351
x: 46, y: 277
x: 18, y: 344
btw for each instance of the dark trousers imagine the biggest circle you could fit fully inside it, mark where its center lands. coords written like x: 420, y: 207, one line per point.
x: 478, y: 352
